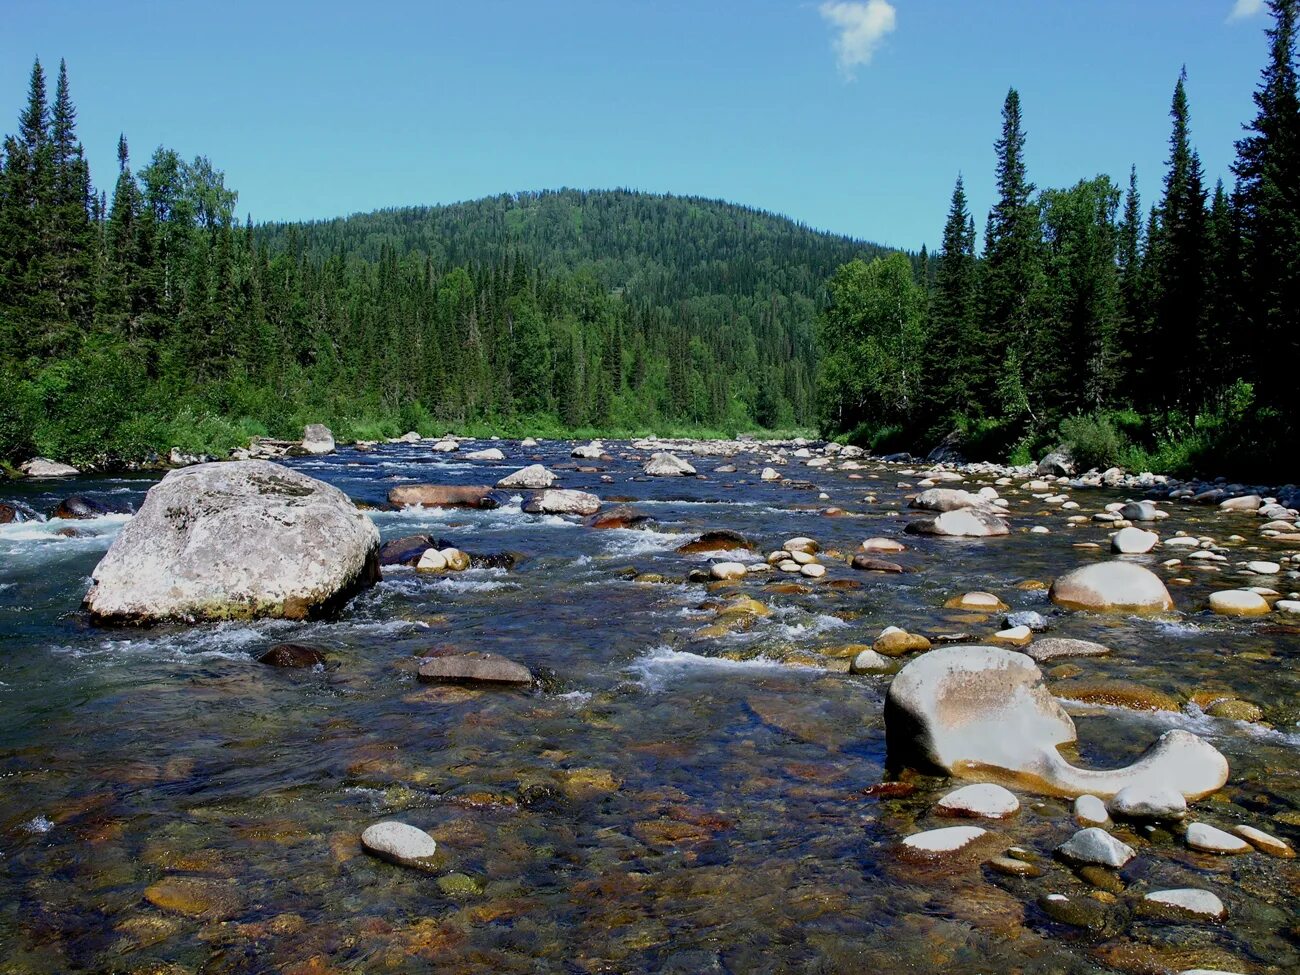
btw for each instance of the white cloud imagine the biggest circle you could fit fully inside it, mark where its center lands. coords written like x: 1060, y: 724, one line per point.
x: 1246, y: 8
x: 860, y: 27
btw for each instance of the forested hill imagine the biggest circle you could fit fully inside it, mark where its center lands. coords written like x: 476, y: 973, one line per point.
x: 654, y: 245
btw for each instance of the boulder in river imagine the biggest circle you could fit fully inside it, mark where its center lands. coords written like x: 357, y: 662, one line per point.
x: 984, y: 713
x: 235, y: 540
x: 489, y: 454
x: 1239, y: 602
x: 1133, y: 541
x: 961, y: 523
x: 400, y: 843
x: 866, y: 563
x: 81, y: 506
x: 947, y: 499
x: 716, y: 540
x: 444, y: 496
x: 620, y: 517
x: 44, y: 467
x: 474, y: 668
x: 1113, y: 586
x: 668, y: 465
x: 558, y: 501
x: 405, y: 550
x: 317, y: 439
x: 294, y: 656
x: 1059, y: 463
x: 534, y: 477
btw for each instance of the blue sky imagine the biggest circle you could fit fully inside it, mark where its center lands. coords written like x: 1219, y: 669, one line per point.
x: 853, y: 117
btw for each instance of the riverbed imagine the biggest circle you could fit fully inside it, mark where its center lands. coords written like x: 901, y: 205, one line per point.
x: 672, y: 796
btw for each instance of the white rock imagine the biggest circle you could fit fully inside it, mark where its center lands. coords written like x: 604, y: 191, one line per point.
x: 1238, y: 602
x: 1190, y: 900
x: 431, y: 560
x: 491, y: 453
x: 1264, y: 842
x: 1090, y: 811
x: 1144, y: 801
x: 801, y: 544
x: 1264, y: 568
x: 235, y: 540
x: 399, y: 843
x: 947, y: 840
x: 1094, y: 845
x: 770, y: 474
x: 446, y: 446
x: 44, y: 467
x: 668, y: 465
x: 962, y: 523
x: 962, y: 707
x: 980, y: 800
x: 558, y: 501
x: 317, y: 439
x: 870, y: 662
x: 1113, y: 586
x: 592, y: 451
x: 533, y: 477
x: 727, y: 570
x: 812, y: 570
x: 1133, y: 541
x: 1211, y: 839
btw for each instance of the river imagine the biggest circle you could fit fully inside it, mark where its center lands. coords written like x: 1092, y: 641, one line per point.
x: 663, y: 801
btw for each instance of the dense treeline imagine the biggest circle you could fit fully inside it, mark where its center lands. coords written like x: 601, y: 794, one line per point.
x: 1163, y: 339
x: 150, y: 317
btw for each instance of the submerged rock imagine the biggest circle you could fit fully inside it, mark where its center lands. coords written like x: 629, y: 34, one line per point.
x: 983, y: 712
x: 235, y: 541
x: 1184, y: 902
x: 81, y: 506
x: 1112, y: 586
x: 865, y: 563
x: 474, y: 667
x: 1056, y: 647
x: 294, y: 656
x: 950, y: 839
x: 982, y: 800
x: 716, y: 540
x: 400, y: 843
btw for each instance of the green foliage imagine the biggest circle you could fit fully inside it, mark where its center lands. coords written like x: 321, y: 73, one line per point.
x: 1094, y: 441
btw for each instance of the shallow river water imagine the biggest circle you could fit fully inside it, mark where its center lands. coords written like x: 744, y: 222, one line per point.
x: 664, y: 800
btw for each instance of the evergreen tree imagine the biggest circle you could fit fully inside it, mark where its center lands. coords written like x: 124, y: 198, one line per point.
x: 1267, y: 201
x: 953, y: 348
x: 1175, y: 354
x: 1012, y: 277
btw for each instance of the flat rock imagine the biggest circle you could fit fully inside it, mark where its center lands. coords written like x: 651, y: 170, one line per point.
x: 1265, y: 842
x: 443, y: 496
x: 950, y: 839
x: 474, y: 667
x: 883, y: 545
x: 980, y: 602
x: 44, y: 467
x: 488, y: 454
x: 1094, y: 845
x: 1186, y: 902
x: 1112, y: 586
x: 866, y: 563
x: 1211, y: 839
x: 1055, y: 648
x: 399, y: 843
x: 982, y: 800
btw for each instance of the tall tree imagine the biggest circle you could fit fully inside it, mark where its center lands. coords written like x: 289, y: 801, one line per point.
x: 1175, y: 354
x: 1012, y: 274
x: 1267, y: 201
x: 953, y: 351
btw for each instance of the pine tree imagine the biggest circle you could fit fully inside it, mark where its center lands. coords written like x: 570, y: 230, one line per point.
x: 1012, y: 277
x: 1175, y: 354
x: 1129, y: 259
x: 952, y: 350
x: 71, y: 232
x: 1267, y: 201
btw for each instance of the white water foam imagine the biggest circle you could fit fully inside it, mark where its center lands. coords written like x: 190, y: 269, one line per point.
x: 662, y: 665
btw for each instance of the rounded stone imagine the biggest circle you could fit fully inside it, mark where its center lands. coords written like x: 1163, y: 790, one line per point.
x: 727, y: 570
x: 1095, y: 845
x: 1187, y: 902
x: 1112, y: 586
x: 399, y: 843
x: 1147, y: 801
x: 1090, y: 811
x: 1238, y: 602
x: 1133, y: 541
x: 950, y: 839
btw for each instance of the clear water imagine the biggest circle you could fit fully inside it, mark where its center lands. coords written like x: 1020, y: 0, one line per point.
x: 663, y: 802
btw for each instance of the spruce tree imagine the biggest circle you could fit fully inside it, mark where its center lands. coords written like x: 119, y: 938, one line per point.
x: 1013, y: 353
x: 1175, y: 354
x: 1267, y: 201
x: 952, y: 348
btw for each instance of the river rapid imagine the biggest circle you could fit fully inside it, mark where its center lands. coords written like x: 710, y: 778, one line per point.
x: 673, y: 795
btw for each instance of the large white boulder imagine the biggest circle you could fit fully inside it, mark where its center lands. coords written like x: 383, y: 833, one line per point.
x: 44, y: 467
x: 948, y: 499
x: 235, y: 541
x: 558, y: 501
x: 317, y: 439
x: 984, y: 713
x: 1120, y: 586
x: 961, y: 523
x: 668, y: 465
x: 534, y: 477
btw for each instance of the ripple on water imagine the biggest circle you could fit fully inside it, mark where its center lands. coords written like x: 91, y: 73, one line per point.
x: 661, y: 666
